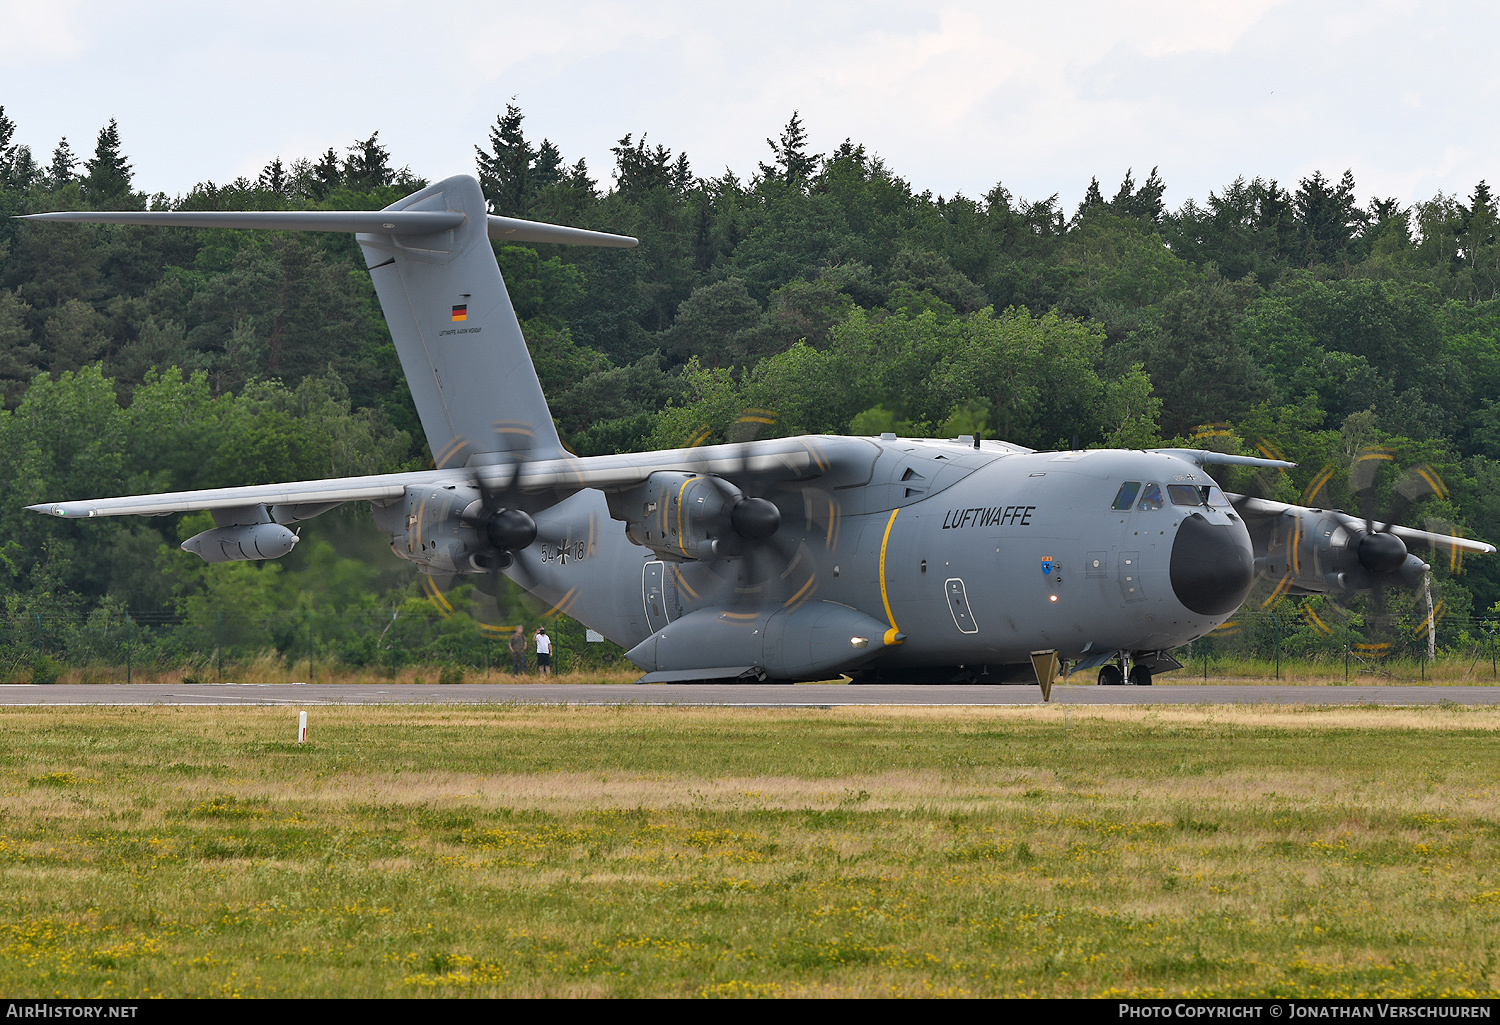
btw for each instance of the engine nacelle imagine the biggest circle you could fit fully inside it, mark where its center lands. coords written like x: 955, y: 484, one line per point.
x: 1321, y: 550
x: 426, y: 528
x: 680, y: 516
x: 249, y: 542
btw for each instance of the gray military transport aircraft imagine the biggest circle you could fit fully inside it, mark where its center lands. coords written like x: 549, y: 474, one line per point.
x: 789, y: 559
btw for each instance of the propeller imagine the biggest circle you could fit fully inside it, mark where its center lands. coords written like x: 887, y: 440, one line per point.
x: 1382, y: 559
x: 503, y: 527
x: 498, y: 518
x: 775, y: 523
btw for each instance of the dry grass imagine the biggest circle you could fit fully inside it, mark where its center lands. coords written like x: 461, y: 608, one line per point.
x: 270, y: 669
x: 552, y: 851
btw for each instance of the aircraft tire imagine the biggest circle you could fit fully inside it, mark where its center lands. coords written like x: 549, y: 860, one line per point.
x: 1140, y: 676
x: 1110, y: 676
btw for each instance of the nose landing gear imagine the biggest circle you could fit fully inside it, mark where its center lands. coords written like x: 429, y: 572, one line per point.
x: 1112, y: 675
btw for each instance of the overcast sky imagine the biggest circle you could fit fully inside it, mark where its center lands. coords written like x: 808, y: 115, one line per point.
x: 955, y: 96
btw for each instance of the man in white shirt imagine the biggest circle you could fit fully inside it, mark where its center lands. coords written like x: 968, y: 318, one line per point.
x: 543, y: 651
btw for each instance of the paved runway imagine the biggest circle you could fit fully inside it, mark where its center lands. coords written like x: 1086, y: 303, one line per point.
x: 741, y: 695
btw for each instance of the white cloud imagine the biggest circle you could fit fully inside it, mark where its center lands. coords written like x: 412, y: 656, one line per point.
x: 954, y: 95
x: 37, y: 34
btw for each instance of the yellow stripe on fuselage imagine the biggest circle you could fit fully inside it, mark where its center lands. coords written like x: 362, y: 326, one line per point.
x: 680, y: 491
x: 890, y: 635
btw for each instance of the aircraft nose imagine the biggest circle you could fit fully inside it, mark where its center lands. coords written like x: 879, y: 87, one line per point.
x: 1212, y: 566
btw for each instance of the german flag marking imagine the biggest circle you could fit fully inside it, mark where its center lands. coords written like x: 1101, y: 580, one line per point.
x: 460, y: 313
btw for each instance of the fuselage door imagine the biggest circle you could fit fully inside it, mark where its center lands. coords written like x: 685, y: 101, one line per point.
x: 1130, y: 576
x: 656, y: 588
x: 958, y: 604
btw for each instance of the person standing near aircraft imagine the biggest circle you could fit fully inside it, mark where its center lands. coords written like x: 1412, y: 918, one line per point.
x: 543, y: 651
x: 518, y: 652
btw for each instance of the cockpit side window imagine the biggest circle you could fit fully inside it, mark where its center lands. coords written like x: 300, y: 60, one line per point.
x: 1184, y: 494
x: 1126, y: 496
x: 1151, y: 497
x: 1213, y: 496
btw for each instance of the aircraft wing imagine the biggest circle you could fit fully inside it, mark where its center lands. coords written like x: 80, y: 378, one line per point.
x: 1203, y: 457
x: 792, y: 457
x: 1252, y: 508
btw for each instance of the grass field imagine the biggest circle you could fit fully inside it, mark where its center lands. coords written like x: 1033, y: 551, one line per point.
x: 715, y: 852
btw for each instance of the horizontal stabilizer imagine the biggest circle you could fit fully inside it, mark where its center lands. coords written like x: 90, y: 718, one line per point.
x: 384, y: 222
x: 513, y: 229
x: 367, y: 222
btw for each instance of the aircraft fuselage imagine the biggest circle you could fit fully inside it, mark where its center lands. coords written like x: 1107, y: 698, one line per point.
x: 976, y: 557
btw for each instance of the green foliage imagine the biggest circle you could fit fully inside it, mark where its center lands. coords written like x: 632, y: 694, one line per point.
x: 827, y: 289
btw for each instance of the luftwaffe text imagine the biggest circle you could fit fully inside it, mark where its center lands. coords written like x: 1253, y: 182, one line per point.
x: 1000, y: 515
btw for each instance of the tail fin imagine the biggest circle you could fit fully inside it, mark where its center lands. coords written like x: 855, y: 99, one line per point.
x: 456, y: 332
x: 450, y: 316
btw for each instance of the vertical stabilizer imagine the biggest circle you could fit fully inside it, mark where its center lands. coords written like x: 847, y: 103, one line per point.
x: 460, y: 343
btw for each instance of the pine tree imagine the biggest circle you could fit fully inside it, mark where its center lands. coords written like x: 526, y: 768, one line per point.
x: 23, y: 169
x: 547, y: 168
x: 326, y: 175
x: 1093, y: 199
x: 7, y: 151
x: 793, y: 164
x: 506, y: 171
x: 60, y: 170
x: 682, y: 173
x: 640, y: 169
x: 368, y: 165
x: 273, y: 178
x: 1328, y: 217
x: 109, y: 172
x: 1144, y: 202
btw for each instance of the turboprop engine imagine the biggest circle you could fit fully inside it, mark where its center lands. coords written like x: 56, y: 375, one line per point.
x: 682, y: 516
x: 447, y: 528
x: 1325, y: 550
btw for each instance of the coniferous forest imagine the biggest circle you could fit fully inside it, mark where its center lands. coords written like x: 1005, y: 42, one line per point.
x: 1290, y: 317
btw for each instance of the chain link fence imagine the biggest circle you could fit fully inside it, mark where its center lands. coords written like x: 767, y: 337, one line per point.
x: 204, y: 645
x: 417, y: 641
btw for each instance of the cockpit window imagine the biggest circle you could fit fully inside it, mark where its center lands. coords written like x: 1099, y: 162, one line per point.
x: 1151, y: 497
x: 1214, y: 497
x: 1126, y: 498
x: 1184, y: 494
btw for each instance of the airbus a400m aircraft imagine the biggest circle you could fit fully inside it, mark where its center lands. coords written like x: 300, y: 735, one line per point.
x: 790, y: 559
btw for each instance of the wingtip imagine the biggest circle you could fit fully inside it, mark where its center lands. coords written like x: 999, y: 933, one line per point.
x: 60, y: 509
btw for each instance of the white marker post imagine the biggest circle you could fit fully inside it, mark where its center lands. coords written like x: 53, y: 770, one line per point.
x: 301, y: 727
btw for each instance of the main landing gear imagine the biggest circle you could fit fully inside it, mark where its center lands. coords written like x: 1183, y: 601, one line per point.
x: 1111, y: 675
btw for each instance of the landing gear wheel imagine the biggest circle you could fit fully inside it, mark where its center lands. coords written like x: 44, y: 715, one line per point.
x: 1140, y: 676
x: 1110, y: 676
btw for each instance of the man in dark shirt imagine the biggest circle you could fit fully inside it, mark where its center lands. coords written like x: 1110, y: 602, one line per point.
x: 517, y: 652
